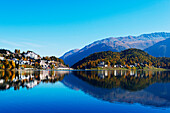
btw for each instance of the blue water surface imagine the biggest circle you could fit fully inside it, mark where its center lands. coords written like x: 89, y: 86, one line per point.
x: 61, y: 97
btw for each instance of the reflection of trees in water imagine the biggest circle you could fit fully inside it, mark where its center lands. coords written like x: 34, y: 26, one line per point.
x: 130, y: 80
x: 28, y: 79
x: 150, y: 96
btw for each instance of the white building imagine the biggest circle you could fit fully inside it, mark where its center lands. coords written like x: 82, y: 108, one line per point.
x: 7, y: 52
x: 43, y: 63
x: 31, y: 54
x: 2, y: 81
x: 15, y: 60
x: 121, y: 66
x: 2, y: 58
x: 21, y: 62
x: 131, y: 66
x: 102, y: 64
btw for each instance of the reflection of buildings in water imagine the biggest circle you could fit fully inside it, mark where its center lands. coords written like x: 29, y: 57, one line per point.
x: 102, y: 74
x: 136, y: 74
x: 106, y: 73
x: 128, y: 72
x: 31, y: 84
x: 115, y: 72
x: 131, y: 72
x: 62, y: 72
x: 124, y: 72
x: 44, y: 74
x: 121, y: 72
x: 30, y: 79
x: 132, y: 83
x: 159, y: 72
x: 2, y: 81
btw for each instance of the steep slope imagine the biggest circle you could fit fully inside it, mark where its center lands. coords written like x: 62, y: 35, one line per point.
x: 69, y: 53
x: 116, y: 45
x: 160, y: 49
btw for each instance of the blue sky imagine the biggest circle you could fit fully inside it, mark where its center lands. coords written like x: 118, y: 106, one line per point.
x: 52, y: 27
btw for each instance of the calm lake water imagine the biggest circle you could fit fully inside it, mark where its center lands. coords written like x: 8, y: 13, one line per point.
x: 84, y: 91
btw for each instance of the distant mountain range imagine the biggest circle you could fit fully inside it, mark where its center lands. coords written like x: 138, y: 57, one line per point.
x: 160, y: 49
x: 115, y: 44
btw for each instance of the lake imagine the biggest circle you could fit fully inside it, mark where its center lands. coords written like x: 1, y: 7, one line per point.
x: 120, y: 91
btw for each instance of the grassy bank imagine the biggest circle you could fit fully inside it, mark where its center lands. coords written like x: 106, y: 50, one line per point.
x: 152, y: 69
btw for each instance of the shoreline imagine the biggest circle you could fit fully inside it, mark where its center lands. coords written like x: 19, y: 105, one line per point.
x: 157, y: 69
x: 94, y: 69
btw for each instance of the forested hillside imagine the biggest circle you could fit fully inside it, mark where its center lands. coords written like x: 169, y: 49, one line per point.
x: 126, y: 57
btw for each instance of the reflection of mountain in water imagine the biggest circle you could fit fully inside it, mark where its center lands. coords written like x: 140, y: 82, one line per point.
x: 155, y: 95
x: 28, y: 79
x: 144, y: 87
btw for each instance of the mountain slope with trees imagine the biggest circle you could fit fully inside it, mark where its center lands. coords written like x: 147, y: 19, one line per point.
x: 126, y: 57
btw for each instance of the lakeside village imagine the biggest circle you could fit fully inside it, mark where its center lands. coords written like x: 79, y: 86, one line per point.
x: 29, y: 60
x: 104, y: 65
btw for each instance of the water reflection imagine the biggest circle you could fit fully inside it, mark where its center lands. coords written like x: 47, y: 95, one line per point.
x: 130, y: 80
x: 144, y: 87
x: 28, y: 79
x: 150, y: 88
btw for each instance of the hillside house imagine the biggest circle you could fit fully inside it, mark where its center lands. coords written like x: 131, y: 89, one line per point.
x: 131, y: 66
x: 102, y: 74
x: 102, y: 65
x: 31, y: 54
x: 2, y: 58
x: 23, y: 62
x: 15, y: 60
x: 44, y: 64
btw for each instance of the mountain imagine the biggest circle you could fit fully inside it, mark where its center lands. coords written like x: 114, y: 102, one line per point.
x: 126, y: 57
x: 160, y: 49
x: 115, y: 44
x: 69, y: 53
